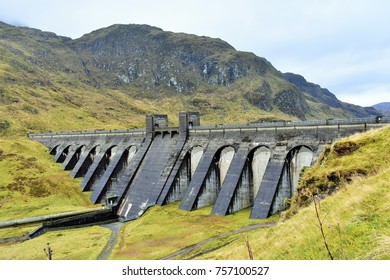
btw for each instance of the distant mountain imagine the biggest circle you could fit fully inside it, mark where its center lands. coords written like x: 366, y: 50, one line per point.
x: 112, y: 77
x: 383, y: 107
x: 325, y: 96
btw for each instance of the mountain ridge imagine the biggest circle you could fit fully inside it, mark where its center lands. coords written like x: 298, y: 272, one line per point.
x: 112, y: 77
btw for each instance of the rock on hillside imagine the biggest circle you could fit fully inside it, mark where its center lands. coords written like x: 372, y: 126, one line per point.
x: 151, y: 56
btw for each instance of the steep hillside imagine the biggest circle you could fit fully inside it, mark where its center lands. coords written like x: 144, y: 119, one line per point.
x: 112, y: 77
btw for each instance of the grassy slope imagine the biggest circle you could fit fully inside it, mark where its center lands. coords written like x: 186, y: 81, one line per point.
x: 356, y: 218
x: 165, y: 230
x: 31, y: 185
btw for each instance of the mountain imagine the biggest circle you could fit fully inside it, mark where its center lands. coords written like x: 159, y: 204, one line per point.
x: 383, y: 107
x: 111, y: 77
x: 325, y: 96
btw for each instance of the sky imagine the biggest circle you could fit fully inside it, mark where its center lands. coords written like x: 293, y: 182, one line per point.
x: 342, y: 45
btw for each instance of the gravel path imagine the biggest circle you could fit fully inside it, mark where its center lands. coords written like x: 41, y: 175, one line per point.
x: 200, y: 244
x: 115, y: 229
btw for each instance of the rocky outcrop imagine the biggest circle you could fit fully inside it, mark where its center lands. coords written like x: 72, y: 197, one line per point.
x: 262, y: 97
x: 149, y: 56
x: 291, y: 102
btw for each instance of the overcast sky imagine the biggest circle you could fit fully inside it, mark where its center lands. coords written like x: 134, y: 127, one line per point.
x: 342, y: 45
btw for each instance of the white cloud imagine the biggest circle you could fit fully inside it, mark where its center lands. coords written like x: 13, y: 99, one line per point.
x: 367, y: 96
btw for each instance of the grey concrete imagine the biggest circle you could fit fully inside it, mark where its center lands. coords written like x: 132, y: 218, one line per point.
x: 98, y: 167
x: 116, y: 167
x: 260, y: 161
x: 301, y: 158
x: 229, y: 166
x: 265, y: 197
x: 85, y: 161
x: 149, y: 182
x: 177, y: 184
x: 230, y: 185
x: 205, y: 171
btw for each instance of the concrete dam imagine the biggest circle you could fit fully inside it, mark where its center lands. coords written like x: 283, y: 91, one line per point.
x: 230, y: 167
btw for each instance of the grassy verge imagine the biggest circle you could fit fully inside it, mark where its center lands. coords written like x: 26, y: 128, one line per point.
x: 74, y: 244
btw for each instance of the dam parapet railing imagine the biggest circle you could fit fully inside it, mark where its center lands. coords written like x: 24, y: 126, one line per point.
x: 370, y: 120
x: 281, y: 124
x: 125, y: 132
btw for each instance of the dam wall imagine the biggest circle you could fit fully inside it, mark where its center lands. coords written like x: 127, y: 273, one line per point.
x: 230, y: 167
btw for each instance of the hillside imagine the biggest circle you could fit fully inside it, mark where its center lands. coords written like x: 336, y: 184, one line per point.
x: 112, y: 77
x: 383, y: 107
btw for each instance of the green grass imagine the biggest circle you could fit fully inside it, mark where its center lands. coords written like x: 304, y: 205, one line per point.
x: 162, y: 231
x: 73, y: 244
x: 33, y: 185
x: 356, y: 156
